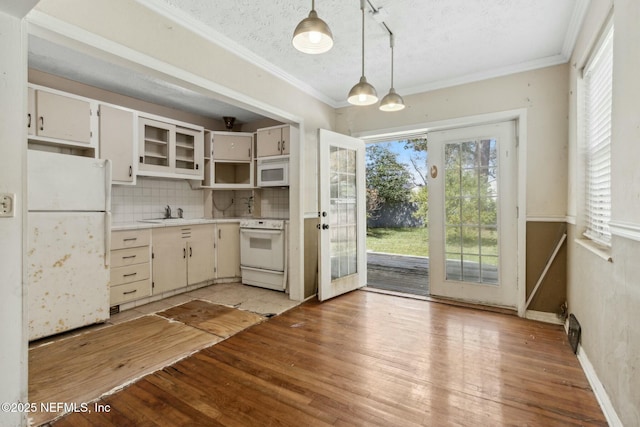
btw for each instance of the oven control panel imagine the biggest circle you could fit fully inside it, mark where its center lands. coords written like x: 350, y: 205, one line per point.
x: 268, y: 224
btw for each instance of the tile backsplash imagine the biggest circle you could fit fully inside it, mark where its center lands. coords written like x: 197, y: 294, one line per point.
x: 148, y: 198
x: 274, y: 203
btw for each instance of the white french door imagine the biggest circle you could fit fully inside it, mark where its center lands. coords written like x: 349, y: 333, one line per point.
x: 473, y: 214
x: 342, y: 222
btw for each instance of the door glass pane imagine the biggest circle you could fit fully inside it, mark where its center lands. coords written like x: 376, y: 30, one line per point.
x: 471, y: 206
x: 343, y: 223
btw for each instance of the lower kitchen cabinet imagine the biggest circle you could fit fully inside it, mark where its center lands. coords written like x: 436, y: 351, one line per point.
x: 130, y: 266
x: 182, y: 256
x: 228, y: 251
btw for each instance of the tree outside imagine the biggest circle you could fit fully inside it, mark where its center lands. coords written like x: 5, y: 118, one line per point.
x: 396, y: 175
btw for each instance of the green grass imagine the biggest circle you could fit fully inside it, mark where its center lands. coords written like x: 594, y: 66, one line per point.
x: 415, y: 241
x: 403, y: 241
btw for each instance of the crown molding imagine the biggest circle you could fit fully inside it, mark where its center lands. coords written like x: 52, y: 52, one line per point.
x: 575, y: 24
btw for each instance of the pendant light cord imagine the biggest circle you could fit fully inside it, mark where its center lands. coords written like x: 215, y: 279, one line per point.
x: 391, y: 42
x: 362, y: 9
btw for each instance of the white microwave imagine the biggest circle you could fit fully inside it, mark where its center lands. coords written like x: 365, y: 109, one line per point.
x: 273, y: 171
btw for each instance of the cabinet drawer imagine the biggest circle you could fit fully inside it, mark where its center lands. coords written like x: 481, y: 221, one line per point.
x: 130, y: 238
x: 122, y: 257
x: 130, y: 273
x: 130, y: 291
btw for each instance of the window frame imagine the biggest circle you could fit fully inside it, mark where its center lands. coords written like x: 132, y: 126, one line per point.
x: 596, y: 122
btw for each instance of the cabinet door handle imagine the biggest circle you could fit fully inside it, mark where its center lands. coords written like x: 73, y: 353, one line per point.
x: 129, y: 256
x: 129, y: 275
x: 41, y: 123
x: 29, y: 122
x: 279, y: 146
x: 219, y: 233
x: 130, y: 239
x: 190, y: 251
x: 130, y: 292
x: 184, y: 253
x: 130, y: 171
x: 283, y: 146
x: 197, y: 166
x: 249, y: 150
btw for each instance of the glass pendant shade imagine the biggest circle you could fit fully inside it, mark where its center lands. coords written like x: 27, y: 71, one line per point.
x: 312, y: 35
x: 363, y: 93
x: 392, y: 101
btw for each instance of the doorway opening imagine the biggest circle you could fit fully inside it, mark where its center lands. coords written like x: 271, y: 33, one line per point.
x: 397, y: 216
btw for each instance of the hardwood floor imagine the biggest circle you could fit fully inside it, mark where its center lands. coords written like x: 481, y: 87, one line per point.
x: 367, y: 359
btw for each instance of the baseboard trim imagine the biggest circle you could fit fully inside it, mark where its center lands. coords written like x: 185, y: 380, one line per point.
x: 598, y: 389
x: 543, y: 316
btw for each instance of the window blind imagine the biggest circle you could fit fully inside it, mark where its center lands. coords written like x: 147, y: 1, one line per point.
x: 598, y: 83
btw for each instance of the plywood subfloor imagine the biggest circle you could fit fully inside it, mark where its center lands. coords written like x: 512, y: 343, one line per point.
x: 84, y: 367
x: 367, y: 359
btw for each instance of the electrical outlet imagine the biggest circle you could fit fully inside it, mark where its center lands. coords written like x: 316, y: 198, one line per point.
x: 7, y: 203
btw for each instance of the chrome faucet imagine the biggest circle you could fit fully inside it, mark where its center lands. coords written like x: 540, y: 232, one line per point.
x: 167, y: 211
x: 180, y: 212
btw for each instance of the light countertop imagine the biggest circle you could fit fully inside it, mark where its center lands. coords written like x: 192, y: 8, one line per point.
x: 174, y: 222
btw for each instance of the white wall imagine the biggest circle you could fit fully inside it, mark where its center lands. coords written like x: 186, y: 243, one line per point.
x: 605, y: 296
x: 13, y: 77
x: 543, y: 92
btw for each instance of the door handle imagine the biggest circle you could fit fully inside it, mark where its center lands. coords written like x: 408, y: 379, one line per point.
x: 325, y: 226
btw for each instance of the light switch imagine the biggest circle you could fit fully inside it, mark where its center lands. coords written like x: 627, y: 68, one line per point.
x: 7, y: 203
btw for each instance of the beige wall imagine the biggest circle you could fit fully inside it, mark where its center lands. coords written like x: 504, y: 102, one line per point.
x: 13, y: 78
x: 605, y: 296
x: 543, y: 92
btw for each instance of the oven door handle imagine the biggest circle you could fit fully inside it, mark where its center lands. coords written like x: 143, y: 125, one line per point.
x: 260, y: 232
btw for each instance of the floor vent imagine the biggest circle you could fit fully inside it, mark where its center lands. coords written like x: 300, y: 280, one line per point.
x: 574, y: 332
x: 114, y: 309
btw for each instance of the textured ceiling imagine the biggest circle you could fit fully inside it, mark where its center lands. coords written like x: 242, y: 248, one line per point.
x: 438, y: 43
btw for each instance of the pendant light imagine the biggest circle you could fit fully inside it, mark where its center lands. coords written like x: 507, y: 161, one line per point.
x: 312, y: 35
x: 391, y: 101
x: 362, y: 93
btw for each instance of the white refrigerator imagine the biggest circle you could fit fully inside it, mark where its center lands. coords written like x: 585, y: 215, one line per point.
x: 68, y: 242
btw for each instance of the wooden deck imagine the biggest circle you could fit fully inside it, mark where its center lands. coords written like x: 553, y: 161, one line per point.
x: 410, y: 274
x: 399, y: 273
x: 367, y: 359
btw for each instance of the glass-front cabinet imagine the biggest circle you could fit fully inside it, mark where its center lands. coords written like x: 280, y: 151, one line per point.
x: 170, y: 149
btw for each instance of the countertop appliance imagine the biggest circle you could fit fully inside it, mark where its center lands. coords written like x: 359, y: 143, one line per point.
x: 263, y: 260
x: 68, y: 241
x: 273, y: 171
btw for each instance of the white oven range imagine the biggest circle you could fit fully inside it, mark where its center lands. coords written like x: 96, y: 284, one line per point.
x: 263, y: 260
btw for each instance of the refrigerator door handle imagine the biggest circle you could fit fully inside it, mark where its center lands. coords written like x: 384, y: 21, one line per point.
x: 107, y: 185
x: 107, y: 239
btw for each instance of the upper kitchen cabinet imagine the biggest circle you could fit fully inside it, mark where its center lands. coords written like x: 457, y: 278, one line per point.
x: 57, y: 118
x: 118, y: 142
x: 169, y: 148
x: 231, y: 146
x: 273, y: 141
x: 228, y: 160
